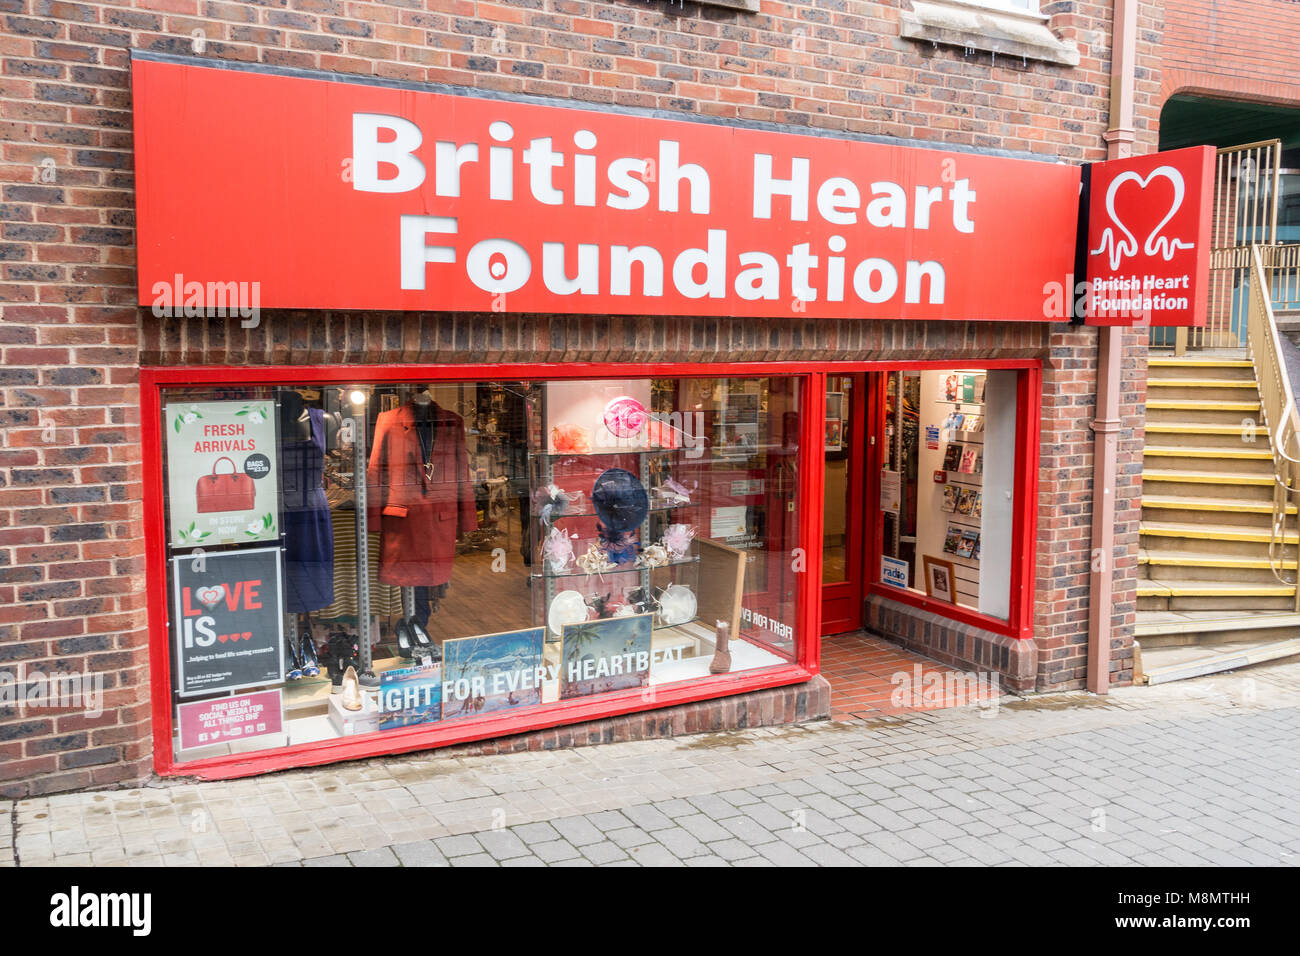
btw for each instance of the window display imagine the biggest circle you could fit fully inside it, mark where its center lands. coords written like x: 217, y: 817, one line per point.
x: 950, y: 446
x: 356, y: 560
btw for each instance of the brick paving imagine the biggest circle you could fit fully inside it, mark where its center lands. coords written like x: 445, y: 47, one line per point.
x: 1194, y: 773
x: 863, y: 671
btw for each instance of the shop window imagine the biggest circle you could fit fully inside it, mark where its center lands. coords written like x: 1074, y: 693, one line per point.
x: 948, y: 486
x: 355, y: 560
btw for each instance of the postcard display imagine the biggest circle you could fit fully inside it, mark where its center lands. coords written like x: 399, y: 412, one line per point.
x: 615, y: 512
x: 965, y: 485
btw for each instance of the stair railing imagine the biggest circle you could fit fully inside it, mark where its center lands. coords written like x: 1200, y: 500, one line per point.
x: 1282, y: 268
x: 1277, y: 402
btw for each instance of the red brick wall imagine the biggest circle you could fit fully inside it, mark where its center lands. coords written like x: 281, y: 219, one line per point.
x: 71, y: 586
x: 1238, y: 49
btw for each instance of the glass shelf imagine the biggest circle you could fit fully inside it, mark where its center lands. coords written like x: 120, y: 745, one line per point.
x: 603, y: 454
x: 620, y: 569
x: 653, y: 509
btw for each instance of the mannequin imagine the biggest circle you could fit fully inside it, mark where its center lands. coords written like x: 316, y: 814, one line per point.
x: 419, y: 497
x: 427, y: 598
x: 305, y: 518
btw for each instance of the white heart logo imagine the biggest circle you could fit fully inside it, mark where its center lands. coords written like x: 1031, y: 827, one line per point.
x: 209, y: 597
x: 1155, y: 244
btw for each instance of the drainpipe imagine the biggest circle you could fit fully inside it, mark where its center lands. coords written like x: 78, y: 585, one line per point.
x: 1119, y: 143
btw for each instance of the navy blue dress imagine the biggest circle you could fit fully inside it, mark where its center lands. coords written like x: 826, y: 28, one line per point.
x: 308, y: 534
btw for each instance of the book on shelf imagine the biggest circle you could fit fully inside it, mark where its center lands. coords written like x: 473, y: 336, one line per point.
x: 965, y: 501
x: 968, y: 543
x: 952, y: 539
x: 951, y: 457
x: 969, y: 461
x: 951, y: 498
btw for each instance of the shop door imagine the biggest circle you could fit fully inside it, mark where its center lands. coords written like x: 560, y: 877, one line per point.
x: 843, y: 503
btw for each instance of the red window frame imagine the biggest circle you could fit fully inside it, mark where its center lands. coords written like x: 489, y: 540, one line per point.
x: 1024, y: 532
x: 379, y: 743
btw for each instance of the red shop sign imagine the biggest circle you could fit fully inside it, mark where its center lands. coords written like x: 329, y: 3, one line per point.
x: 326, y: 193
x: 1149, y: 238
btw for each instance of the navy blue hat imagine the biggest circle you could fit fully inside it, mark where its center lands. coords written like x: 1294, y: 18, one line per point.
x: 620, y: 500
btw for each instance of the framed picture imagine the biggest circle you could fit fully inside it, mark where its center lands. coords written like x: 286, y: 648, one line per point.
x: 491, y: 672
x: 939, y: 582
x: 834, y: 421
x: 609, y: 654
x: 834, y: 404
x: 834, y: 434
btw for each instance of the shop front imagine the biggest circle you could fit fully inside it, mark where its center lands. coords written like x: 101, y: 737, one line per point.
x: 465, y: 417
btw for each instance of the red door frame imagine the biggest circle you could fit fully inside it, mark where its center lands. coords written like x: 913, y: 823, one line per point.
x: 850, y: 591
x: 806, y: 662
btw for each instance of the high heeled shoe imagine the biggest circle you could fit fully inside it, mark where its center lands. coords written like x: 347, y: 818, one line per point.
x: 308, y: 656
x: 424, y: 646
x: 292, y: 661
x: 405, y: 639
x: 351, y: 690
x: 418, y: 634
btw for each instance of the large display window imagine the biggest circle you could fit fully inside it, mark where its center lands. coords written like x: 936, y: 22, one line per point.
x: 372, y: 559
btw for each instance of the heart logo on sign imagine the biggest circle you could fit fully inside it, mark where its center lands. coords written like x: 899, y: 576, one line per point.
x: 209, y: 596
x: 222, y: 637
x: 1155, y: 244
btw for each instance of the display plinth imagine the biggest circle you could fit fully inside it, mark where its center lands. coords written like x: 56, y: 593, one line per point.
x: 349, y: 722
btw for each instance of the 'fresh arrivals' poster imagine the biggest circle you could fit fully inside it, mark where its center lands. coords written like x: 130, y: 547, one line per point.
x: 222, y: 486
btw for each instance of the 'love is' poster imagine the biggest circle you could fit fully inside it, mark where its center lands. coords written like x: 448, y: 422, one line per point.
x: 228, y: 621
x: 222, y: 486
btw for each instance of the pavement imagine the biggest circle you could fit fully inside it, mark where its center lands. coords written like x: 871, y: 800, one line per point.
x: 1195, y: 773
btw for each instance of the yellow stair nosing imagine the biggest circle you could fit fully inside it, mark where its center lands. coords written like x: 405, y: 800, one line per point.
x: 1195, y: 428
x: 1176, y: 559
x: 1191, y: 404
x: 1172, y: 451
x: 1207, y: 477
x: 1211, y: 532
x: 1212, y: 589
x: 1178, y: 362
x: 1212, y: 504
x: 1202, y: 383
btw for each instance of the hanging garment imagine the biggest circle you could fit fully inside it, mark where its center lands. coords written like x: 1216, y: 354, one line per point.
x: 385, y: 601
x: 308, y: 534
x: 419, y: 494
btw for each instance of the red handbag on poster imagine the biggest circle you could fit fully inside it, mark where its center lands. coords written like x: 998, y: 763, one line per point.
x: 232, y: 492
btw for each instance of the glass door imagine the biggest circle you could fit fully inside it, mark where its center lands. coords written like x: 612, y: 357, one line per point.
x: 843, y: 511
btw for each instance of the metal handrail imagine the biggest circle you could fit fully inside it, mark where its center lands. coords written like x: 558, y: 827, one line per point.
x: 1277, y: 403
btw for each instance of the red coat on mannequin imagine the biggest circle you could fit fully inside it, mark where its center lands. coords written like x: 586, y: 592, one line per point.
x: 418, y: 515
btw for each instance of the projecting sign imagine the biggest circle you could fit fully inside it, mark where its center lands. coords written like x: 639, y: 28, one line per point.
x: 1149, y: 239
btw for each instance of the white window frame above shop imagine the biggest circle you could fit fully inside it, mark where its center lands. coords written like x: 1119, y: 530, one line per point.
x: 1008, y: 28
x: 1022, y: 6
